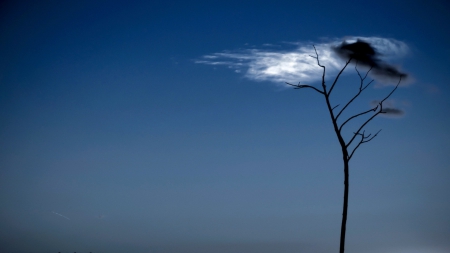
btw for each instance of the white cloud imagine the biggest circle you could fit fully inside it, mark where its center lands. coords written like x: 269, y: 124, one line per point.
x: 280, y: 66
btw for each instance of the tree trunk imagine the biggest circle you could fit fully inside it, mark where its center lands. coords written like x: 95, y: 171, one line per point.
x: 344, y: 209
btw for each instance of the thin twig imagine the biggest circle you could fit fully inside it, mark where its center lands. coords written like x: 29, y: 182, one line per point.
x: 298, y: 86
x: 335, y: 106
x: 357, y: 115
x: 338, y: 75
x: 363, y: 140
x: 361, y: 89
x: 373, y: 116
x: 323, y: 72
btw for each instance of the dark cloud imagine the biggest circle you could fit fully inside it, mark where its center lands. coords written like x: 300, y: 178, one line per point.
x: 364, y: 54
x: 389, y: 109
x: 393, y: 112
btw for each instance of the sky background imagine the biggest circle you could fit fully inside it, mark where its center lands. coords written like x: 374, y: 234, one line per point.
x: 143, y: 126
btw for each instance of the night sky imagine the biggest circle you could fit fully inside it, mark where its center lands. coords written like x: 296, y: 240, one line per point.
x: 167, y: 126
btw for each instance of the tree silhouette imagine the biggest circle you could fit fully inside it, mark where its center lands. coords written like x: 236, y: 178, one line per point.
x: 362, y: 53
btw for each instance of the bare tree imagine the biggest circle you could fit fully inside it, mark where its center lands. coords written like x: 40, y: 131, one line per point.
x: 364, y: 54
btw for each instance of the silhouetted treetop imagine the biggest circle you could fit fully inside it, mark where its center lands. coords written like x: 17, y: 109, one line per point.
x: 366, y: 55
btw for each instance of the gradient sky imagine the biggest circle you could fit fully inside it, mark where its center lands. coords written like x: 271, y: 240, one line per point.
x: 143, y: 126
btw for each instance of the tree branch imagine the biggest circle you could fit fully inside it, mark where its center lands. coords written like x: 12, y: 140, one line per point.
x: 338, y: 75
x: 373, y: 116
x: 357, y: 115
x: 364, y: 139
x: 299, y: 86
x: 361, y: 89
x: 323, y: 67
x: 396, y: 86
x: 365, y: 76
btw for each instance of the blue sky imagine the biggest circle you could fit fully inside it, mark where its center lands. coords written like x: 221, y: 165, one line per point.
x: 166, y: 127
